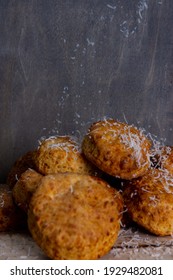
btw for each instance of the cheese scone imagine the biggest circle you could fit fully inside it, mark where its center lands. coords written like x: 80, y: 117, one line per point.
x: 74, y: 216
x: 11, y: 217
x: 21, y: 165
x: 149, y: 201
x: 62, y: 154
x: 25, y: 187
x: 117, y: 148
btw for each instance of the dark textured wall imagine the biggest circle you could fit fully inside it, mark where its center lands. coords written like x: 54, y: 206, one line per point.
x: 65, y: 64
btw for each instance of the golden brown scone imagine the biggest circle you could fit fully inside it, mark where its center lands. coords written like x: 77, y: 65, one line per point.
x: 61, y: 154
x: 149, y: 200
x: 25, y: 187
x: 11, y: 217
x: 21, y: 165
x: 163, y: 158
x: 117, y: 148
x: 74, y: 216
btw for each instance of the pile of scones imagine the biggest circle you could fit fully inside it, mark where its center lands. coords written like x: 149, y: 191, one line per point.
x: 74, y: 197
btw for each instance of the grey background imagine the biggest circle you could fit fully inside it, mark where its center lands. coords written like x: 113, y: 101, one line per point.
x: 65, y: 64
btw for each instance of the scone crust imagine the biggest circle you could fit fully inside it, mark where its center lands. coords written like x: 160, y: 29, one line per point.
x: 149, y: 201
x: 74, y: 216
x: 21, y: 165
x: 25, y: 187
x: 62, y: 154
x: 117, y: 148
x: 11, y: 217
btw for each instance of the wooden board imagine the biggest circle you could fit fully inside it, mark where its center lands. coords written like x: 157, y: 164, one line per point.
x: 65, y: 64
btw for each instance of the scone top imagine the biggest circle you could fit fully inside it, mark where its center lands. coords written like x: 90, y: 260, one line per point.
x: 64, y: 142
